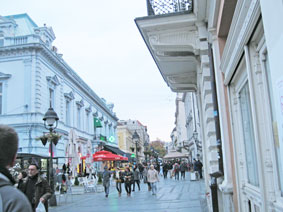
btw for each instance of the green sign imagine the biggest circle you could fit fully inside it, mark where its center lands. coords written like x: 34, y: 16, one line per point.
x: 133, y: 155
x: 97, y: 123
x: 111, y: 139
x: 102, y: 138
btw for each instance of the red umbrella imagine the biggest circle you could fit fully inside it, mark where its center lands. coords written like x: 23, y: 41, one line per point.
x: 106, y: 157
x: 102, y: 152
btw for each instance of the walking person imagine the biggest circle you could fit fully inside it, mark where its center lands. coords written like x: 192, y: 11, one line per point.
x: 136, y: 178
x: 141, y: 168
x: 145, y: 178
x: 36, y: 188
x: 183, y: 170
x: 106, y: 175
x: 199, y: 168
x: 119, y: 181
x: 152, y: 178
x: 165, y: 170
x: 195, y: 167
x: 176, y: 170
x: 171, y: 170
x: 11, y: 199
x: 128, y: 176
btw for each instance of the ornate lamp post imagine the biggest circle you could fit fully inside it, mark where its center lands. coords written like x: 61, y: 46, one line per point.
x: 146, y: 152
x: 50, y: 123
x: 198, y: 147
x: 136, y: 139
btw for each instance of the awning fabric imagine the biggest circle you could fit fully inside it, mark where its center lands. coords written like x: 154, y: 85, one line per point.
x: 115, y: 150
x: 174, y: 154
x: 97, y: 122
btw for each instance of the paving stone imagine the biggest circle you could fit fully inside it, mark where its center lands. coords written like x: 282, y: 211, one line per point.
x: 172, y: 196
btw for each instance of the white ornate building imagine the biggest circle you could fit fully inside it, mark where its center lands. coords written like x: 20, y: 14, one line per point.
x: 33, y: 77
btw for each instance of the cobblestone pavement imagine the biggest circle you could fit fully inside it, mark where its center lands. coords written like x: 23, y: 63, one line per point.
x: 172, y: 196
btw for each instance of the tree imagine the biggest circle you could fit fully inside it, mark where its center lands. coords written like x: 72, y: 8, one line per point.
x: 159, y: 146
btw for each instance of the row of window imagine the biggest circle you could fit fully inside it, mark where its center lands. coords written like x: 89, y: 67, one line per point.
x: 84, y: 120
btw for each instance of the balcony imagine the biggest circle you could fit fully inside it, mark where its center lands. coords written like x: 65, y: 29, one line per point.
x: 158, y: 7
x: 175, y: 34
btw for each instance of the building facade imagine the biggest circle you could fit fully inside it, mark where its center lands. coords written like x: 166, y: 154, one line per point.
x: 135, y: 147
x: 34, y: 77
x: 228, y: 52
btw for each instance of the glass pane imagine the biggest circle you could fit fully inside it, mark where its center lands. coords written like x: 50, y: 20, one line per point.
x: 248, y: 134
x: 274, y: 125
x: 51, y: 98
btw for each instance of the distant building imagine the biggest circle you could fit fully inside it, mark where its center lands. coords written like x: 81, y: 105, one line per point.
x: 125, y: 131
x: 33, y: 77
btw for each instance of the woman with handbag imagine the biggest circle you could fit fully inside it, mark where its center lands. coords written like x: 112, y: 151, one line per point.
x: 119, y: 181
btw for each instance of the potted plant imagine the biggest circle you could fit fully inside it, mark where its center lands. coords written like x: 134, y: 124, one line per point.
x: 53, y: 137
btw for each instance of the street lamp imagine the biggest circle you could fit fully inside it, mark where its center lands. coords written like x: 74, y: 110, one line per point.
x: 136, y: 138
x: 50, y: 123
x: 146, y: 151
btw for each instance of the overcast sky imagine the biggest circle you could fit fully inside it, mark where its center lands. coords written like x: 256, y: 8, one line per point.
x: 100, y: 41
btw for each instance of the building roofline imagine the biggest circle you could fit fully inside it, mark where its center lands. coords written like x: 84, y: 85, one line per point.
x: 21, y: 16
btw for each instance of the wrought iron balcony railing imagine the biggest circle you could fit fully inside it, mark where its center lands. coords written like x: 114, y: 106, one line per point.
x: 158, y: 7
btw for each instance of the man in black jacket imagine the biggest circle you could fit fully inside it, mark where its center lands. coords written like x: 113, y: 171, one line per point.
x: 36, y: 188
x: 11, y: 199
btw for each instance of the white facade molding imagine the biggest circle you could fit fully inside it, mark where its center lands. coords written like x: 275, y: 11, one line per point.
x: 246, y: 17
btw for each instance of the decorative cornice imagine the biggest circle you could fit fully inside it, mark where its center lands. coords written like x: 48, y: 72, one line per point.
x: 80, y: 103
x: 4, y: 76
x: 69, y: 96
x: 88, y: 109
x: 54, y: 80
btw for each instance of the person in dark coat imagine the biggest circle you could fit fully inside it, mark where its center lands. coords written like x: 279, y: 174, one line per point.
x: 21, y: 176
x: 199, y: 168
x: 141, y: 168
x: 106, y: 175
x: 165, y: 170
x: 11, y: 199
x: 128, y: 176
x: 36, y: 188
x: 183, y: 170
x: 136, y: 178
x: 176, y: 170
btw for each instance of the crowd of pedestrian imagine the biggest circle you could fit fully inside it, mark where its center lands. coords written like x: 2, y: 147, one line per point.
x: 33, y: 190
x: 131, y: 176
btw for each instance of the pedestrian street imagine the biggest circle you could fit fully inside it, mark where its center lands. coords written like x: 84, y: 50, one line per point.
x: 172, y: 196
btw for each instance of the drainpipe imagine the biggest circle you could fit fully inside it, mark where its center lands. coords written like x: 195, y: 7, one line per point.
x: 220, y: 171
